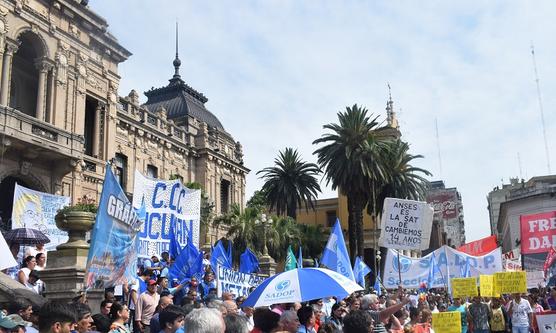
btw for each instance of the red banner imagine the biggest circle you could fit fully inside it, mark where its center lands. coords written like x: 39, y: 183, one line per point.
x: 538, y: 232
x: 479, y: 247
x: 445, y: 202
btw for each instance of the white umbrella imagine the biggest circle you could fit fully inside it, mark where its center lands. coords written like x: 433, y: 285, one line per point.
x: 300, y: 285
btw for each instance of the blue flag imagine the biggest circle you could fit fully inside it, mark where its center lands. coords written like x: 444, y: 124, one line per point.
x: 248, y: 262
x: 112, y: 258
x: 466, y: 269
x: 316, y: 262
x: 433, y: 271
x: 189, y: 263
x: 360, y: 270
x: 377, y: 285
x: 300, y: 259
x: 219, y: 256
x: 175, y: 247
x: 335, y: 255
x: 230, y: 258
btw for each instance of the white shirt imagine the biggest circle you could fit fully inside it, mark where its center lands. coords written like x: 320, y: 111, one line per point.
x: 520, y: 313
x: 327, y: 304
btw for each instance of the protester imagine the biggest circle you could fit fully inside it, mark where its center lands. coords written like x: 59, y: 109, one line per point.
x: 521, y: 314
x: 358, y: 321
x: 235, y: 324
x: 499, y: 321
x: 119, y: 315
x: 265, y: 320
x: 337, y: 316
x: 171, y: 319
x: 247, y: 312
x: 84, y: 318
x: 307, y: 320
x: 424, y: 325
x: 461, y: 308
x: 537, y: 308
x: 289, y: 321
x: 7, y: 324
x: 21, y: 324
x: 207, y: 284
x: 33, y: 282
x: 34, y: 320
x: 204, y: 321
x: 146, y: 306
x: 57, y: 317
x: 28, y: 265
x: 370, y: 303
x: 163, y: 303
x: 41, y: 261
x: 479, y: 316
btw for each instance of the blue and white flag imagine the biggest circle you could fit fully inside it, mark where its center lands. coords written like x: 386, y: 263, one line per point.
x: 230, y: 257
x: 219, y: 256
x: 434, y: 270
x: 300, y: 258
x: 112, y: 257
x: 360, y: 270
x: 248, y: 262
x: 466, y: 269
x: 377, y: 285
x: 175, y: 247
x: 335, y: 255
x: 188, y: 264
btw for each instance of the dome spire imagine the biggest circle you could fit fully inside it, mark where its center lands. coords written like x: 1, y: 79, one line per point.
x: 177, y: 61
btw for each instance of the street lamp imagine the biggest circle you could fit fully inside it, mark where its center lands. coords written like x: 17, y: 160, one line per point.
x: 264, y: 222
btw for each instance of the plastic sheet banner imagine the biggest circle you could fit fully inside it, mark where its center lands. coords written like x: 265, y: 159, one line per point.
x: 36, y: 210
x: 406, y: 224
x: 167, y: 203
x: 447, y: 322
x: 464, y: 287
x: 237, y: 283
x: 546, y: 321
x: 450, y: 262
x: 510, y: 282
x: 538, y: 232
x: 480, y: 247
x: 486, y: 284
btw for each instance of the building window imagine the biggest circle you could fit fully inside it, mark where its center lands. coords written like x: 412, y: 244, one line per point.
x: 91, y: 126
x: 224, y: 196
x: 330, y: 218
x: 152, y: 171
x: 121, y: 169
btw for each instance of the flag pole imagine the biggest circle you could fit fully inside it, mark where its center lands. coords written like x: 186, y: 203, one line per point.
x: 399, y: 268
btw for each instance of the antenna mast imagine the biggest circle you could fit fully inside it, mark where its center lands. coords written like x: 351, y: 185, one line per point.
x: 438, y: 146
x: 519, y: 163
x: 541, y: 108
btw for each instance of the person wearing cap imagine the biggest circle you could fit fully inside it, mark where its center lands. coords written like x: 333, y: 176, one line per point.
x: 6, y: 323
x: 146, y: 307
x: 21, y: 324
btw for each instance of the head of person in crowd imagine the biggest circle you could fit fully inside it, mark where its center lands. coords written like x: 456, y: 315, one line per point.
x: 119, y: 313
x: 235, y: 324
x: 457, y: 302
x: 41, y: 259
x: 33, y: 277
x: 193, y: 293
x: 165, y: 257
x: 171, y: 319
x: 162, y: 282
x: 101, y: 323
x: 414, y: 315
x: 289, y: 321
x: 164, y: 302
x: 240, y: 300
x: 355, y: 304
x: 6, y: 324
x: 151, y: 286
x: 105, y: 307
x: 495, y: 303
x: 209, y: 277
x: 369, y: 302
x: 442, y: 307
x: 109, y: 296
x: 307, y: 317
x: 426, y: 316
x: 154, y: 259
x: 193, y: 283
x: 265, y: 320
x: 338, y: 311
x: 231, y: 307
x: 21, y: 324
x: 358, y: 321
x: 247, y: 311
x: 227, y: 296
x: 29, y: 262
x: 57, y: 317
x: 205, y: 320
x: 212, y: 292
x: 84, y: 318
x: 21, y: 307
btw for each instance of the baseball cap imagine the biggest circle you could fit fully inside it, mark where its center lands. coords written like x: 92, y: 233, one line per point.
x: 6, y: 322
x: 151, y: 282
x: 18, y: 320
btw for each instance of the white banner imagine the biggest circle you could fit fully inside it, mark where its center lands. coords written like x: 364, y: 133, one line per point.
x: 546, y: 322
x: 36, y: 210
x: 167, y: 202
x: 450, y: 262
x: 406, y: 224
x: 535, y: 279
x: 512, y: 260
x: 235, y: 282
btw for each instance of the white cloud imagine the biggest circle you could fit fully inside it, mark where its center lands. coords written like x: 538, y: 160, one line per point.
x: 276, y: 71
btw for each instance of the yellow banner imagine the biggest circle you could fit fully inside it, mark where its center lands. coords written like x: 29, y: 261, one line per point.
x: 510, y: 282
x: 464, y: 287
x: 447, y: 322
x: 486, y: 284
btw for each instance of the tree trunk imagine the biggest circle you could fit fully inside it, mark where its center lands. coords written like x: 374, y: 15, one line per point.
x: 292, y: 211
x: 351, y: 228
x: 358, y: 210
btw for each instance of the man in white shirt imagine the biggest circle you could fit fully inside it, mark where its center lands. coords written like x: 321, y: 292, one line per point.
x: 522, y: 314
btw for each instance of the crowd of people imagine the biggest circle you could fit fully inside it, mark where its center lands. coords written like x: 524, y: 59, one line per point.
x: 154, y: 304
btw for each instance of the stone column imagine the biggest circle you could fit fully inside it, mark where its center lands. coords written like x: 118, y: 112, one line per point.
x: 50, y: 98
x: 267, y: 265
x: 43, y: 67
x: 96, y: 131
x: 11, y: 48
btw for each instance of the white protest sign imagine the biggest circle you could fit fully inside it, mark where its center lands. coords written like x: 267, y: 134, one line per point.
x: 237, y: 283
x: 546, y: 321
x: 406, y: 224
x: 535, y: 279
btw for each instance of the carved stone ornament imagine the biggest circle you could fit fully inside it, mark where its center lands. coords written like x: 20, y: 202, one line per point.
x: 3, y: 11
x: 19, y: 5
x: 25, y: 168
x: 74, y: 30
x: 112, y: 92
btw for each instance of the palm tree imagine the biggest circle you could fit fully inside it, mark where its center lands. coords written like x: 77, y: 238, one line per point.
x: 351, y: 160
x: 290, y: 183
x: 313, y: 239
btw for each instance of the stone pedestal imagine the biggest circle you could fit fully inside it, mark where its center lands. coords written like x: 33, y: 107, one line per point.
x: 64, y: 275
x: 267, y: 265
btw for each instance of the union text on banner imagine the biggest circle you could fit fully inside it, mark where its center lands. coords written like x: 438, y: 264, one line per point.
x: 33, y: 209
x: 112, y: 257
x: 406, y: 224
x: 464, y: 287
x: 450, y: 262
x: 167, y: 203
x: 510, y: 282
x: 546, y: 321
x: 486, y: 284
x: 237, y: 283
x: 447, y: 322
x: 538, y: 232
x: 479, y: 247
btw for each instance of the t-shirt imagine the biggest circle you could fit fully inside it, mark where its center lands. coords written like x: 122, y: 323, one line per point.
x: 463, y: 311
x: 379, y: 326
x: 497, y: 322
x: 479, y: 315
x: 520, y: 313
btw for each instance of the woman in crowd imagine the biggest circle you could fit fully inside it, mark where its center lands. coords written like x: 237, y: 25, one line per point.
x: 462, y: 309
x: 119, y: 314
x: 499, y: 322
x: 28, y: 265
x: 41, y: 261
x: 336, y: 317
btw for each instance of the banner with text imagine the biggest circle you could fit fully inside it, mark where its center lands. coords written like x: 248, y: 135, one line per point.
x: 451, y: 263
x: 512, y: 260
x: 447, y: 322
x: 479, y: 247
x: 36, y: 210
x: 167, y: 203
x: 464, y: 287
x: 406, y: 224
x: 546, y: 321
x: 486, y: 284
x: 510, y: 282
x: 237, y: 283
x: 538, y: 232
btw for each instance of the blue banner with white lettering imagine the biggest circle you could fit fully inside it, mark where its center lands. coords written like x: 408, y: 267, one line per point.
x: 168, y: 203
x: 112, y: 257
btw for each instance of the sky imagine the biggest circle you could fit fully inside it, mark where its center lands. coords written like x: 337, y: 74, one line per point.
x: 276, y: 71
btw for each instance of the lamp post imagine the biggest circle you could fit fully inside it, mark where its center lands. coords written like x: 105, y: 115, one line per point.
x: 267, y: 263
x: 264, y: 222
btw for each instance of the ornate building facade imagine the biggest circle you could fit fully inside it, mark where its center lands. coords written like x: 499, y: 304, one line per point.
x: 61, y: 117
